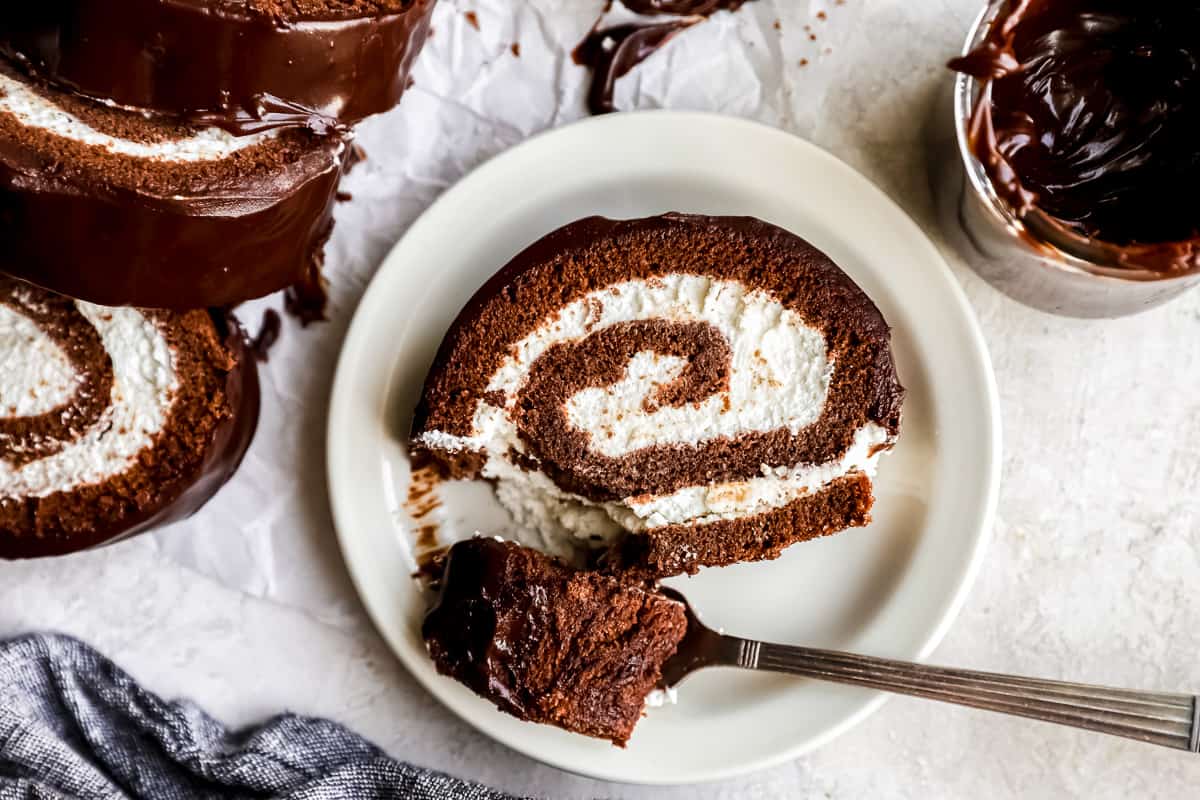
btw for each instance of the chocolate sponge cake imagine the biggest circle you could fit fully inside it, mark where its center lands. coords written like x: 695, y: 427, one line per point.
x: 548, y: 644
x: 685, y: 391
x: 245, y: 65
x: 117, y: 208
x: 114, y: 419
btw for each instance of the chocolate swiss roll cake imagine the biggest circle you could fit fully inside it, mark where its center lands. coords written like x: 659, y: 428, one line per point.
x: 114, y: 419
x: 116, y: 208
x: 548, y: 644
x: 683, y: 391
x: 242, y: 64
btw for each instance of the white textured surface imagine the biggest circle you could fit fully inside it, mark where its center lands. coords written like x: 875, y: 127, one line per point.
x: 144, y: 386
x: 1094, y: 567
x: 36, y: 111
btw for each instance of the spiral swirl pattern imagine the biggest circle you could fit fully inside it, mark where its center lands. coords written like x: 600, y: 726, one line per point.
x: 115, y: 419
x: 611, y: 382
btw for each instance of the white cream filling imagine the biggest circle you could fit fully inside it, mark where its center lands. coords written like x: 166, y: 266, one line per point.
x: 779, y: 375
x: 36, y: 111
x: 777, y: 487
x: 536, y: 503
x: 779, y: 379
x: 143, y: 391
x: 35, y: 374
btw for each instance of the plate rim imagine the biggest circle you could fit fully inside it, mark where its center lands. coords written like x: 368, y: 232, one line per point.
x: 985, y: 516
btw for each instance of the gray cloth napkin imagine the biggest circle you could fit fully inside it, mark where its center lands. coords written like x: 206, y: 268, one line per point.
x: 72, y: 724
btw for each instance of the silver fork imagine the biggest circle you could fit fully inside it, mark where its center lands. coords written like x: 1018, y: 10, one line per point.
x: 1170, y: 720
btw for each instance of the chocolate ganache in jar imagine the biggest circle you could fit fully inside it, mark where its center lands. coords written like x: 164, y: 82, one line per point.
x: 1076, y: 123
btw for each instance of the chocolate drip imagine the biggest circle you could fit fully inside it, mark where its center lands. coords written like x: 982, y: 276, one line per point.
x: 701, y: 8
x: 220, y: 63
x: 613, y: 52
x: 24, y: 440
x: 1088, y: 117
x: 307, y: 298
x: 268, y: 335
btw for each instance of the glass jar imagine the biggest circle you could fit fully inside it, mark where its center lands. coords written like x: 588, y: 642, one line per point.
x: 1033, y: 258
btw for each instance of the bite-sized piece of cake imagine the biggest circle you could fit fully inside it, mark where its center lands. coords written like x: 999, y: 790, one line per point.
x: 115, y: 208
x: 547, y: 643
x: 114, y: 419
x: 687, y: 390
x: 244, y: 65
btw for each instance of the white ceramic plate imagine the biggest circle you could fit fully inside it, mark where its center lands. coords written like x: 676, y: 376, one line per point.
x: 890, y: 590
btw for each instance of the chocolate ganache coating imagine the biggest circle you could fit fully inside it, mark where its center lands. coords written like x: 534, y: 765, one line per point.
x: 1089, y: 114
x: 81, y: 216
x: 682, y: 7
x: 244, y: 65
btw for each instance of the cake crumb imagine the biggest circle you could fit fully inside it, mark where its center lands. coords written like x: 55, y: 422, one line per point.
x: 472, y: 19
x: 425, y: 477
x: 427, y: 538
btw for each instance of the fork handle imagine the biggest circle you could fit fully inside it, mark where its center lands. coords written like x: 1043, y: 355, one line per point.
x: 1170, y: 720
